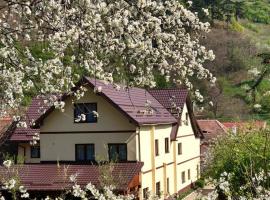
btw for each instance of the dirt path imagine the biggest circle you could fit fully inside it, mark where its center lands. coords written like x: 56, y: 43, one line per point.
x: 197, y: 195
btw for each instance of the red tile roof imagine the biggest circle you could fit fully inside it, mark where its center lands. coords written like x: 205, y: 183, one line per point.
x: 4, y: 125
x: 48, y: 177
x: 26, y: 134
x: 130, y: 102
x: 211, y: 129
x: 255, y: 124
x: 179, y: 97
x: 4, y: 122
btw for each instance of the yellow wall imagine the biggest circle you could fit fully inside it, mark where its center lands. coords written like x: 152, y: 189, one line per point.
x: 192, y: 165
x: 158, y: 172
x: 110, y: 119
x: 62, y: 146
x: 26, y: 148
x: 58, y: 145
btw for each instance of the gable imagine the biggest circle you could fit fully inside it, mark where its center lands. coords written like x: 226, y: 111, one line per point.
x: 170, y: 98
x: 130, y: 101
x: 110, y: 118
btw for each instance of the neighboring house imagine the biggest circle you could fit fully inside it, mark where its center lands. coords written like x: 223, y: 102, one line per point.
x: 5, y: 130
x: 234, y: 127
x: 4, y: 123
x: 153, y: 136
x: 212, y: 129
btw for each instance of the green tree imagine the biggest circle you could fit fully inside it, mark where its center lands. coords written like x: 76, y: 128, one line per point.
x: 243, y: 155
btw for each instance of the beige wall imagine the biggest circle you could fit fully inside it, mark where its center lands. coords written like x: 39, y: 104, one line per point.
x: 110, y: 119
x: 164, y: 166
x: 192, y: 165
x: 62, y: 146
x: 58, y: 145
x: 185, y: 129
x: 24, y: 152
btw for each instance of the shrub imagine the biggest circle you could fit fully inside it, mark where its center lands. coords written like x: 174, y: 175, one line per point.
x: 239, y: 164
x: 199, y: 183
x: 235, y: 26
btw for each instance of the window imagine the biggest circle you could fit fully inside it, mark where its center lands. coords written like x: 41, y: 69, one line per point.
x: 146, y: 193
x: 118, y: 152
x: 158, y: 189
x: 186, y: 118
x: 86, y: 109
x: 179, y: 148
x: 183, y: 177
x: 188, y: 174
x: 35, y: 151
x: 168, y: 186
x: 156, y: 148
x: 166, y: 145
x: 85, y: 152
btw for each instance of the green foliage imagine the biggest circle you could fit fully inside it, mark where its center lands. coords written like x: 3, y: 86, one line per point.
x: 258, y: 11
x: 241, y: 154
x: 235, y: 26
x: 200, y: 183
x: 225, y: 10
x: 251, y: 27
x: 161, y: 81
x: 37, y: 50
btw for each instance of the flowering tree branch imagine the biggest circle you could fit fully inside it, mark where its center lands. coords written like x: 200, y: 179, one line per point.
x: 104, y: 39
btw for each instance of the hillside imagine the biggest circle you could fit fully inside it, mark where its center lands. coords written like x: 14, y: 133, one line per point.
x: 237, y: 67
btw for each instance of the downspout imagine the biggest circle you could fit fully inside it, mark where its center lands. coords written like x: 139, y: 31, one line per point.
x: 139, y: 143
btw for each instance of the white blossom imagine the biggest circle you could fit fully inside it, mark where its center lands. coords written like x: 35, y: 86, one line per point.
x: 25, y: 195
x: 206, y: 11
x: 7, y: 163
x: 189, y: 3
x: 95, y: 113
x: 73, y: 178
x: 115, y: 38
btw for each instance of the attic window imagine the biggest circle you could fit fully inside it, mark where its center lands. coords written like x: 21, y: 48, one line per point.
x: 85, y: 113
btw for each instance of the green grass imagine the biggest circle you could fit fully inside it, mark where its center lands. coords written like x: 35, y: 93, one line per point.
x: 258, y: 33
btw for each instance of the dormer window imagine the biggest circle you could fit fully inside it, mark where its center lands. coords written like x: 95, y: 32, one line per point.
x: 85, y: 113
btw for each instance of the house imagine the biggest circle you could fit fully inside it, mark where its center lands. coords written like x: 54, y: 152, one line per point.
x: 151, y: 135
x: 234, y: 127
x: 212, y: 129
x: 4, y: 133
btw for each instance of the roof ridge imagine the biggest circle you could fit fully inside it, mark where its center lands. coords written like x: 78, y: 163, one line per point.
x: 168, y: 89
x: 221, y: 125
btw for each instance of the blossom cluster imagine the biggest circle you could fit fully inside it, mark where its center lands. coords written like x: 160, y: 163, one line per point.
x: 256, y: 189
x: 102, y: 39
